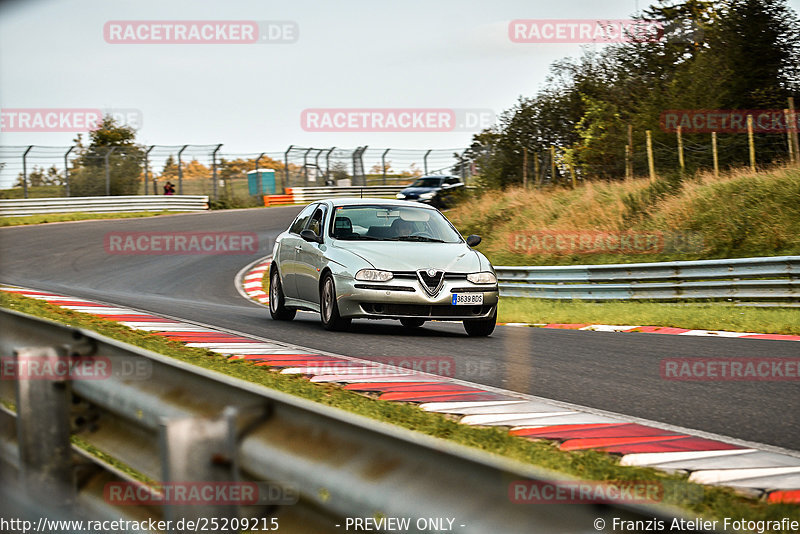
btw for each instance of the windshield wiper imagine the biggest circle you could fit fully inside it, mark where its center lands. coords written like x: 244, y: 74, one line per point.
x: 417, y: 238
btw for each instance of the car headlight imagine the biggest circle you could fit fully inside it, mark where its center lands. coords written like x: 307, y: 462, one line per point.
x: 373, y: 275
x: 400, y: 196
x: 482, y: 278
x: 428, y: 196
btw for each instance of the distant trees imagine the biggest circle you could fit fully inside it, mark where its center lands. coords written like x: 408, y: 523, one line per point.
x: 115, y: 146
x: 730, y: 54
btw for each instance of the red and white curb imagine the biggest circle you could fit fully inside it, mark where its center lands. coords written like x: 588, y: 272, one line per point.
x: 755, y: 469
x: 250, y: 284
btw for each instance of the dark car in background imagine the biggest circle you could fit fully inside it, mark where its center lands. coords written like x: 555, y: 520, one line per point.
x: 437, y: 191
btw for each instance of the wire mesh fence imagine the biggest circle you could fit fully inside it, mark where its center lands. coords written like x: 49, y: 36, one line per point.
x: 47, y: 171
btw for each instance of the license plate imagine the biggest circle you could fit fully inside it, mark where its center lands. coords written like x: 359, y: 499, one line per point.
x: 467, y: 299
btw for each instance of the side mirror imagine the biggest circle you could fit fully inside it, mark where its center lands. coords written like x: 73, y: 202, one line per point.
x: 474, y: 240
x: 310, y: 236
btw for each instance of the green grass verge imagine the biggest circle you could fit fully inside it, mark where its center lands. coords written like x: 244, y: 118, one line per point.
x: 704, y: 316
x: 66, y: 217
x: 710, y: 502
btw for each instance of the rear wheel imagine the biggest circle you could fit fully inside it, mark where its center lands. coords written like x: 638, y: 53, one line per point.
x: 481, y: 327
x: 329, y: 308
x: 277, y: 302
x: 410, y: 322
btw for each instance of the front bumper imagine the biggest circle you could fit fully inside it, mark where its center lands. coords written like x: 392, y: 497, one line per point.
x: 402, y: 298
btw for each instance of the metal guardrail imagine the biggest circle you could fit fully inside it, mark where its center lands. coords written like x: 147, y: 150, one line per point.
x: 304, y: 195
x: 764, y: 279
x: 114, y: 204
x: 182, y: 423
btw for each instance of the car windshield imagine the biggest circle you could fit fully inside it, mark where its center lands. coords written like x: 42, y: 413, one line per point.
x: 429, y: 181
x: 392, y: 223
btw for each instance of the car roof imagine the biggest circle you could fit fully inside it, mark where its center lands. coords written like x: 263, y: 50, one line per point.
x: 355, y: 201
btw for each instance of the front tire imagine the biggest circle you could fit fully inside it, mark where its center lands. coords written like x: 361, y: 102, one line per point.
x: 329, y: 308
x: 481, y: 327
x: 277, y: 301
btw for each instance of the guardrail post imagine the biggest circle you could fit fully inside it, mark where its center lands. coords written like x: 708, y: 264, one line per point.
x: 750, y: 143
x: 425, y: 161
x: 200, y: 450
x: 43, y: 427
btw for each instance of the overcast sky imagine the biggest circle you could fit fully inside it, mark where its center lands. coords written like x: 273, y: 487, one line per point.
x: 451, y: 54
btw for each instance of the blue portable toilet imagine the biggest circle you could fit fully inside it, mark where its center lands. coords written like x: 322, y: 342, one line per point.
x: 267, y: 177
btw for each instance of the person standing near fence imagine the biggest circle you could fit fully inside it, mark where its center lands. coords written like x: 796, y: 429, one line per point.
x: 169, y: 189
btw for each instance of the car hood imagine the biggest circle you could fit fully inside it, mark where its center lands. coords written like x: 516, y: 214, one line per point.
x: 410, y: 256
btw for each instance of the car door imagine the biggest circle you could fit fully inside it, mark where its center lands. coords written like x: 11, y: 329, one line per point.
x: 289, y: 249
x: 310, y: 257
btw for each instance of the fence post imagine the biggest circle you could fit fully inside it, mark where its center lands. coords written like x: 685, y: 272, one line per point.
x: 383, y: 164
x: 25, y: 172
x: 286, y: 166
x: 260, y: 185
x: 789, y: 140
x: 180, y: 170
x: 750, y: 143
x: 425, y: 161
x: 553, y: 163
x: 525, y: 167
x: 650, y: 163
x: 108, y: 170
x: 714, y: 153
x: 629, y: 153
x: 147, y: 170
x: 681, y: 161
x: 214, y: 169
x: 66, y: 171
x: 572, y: 174
x: 793, y: 129
x: 328, y: 165
x: 305, y: 166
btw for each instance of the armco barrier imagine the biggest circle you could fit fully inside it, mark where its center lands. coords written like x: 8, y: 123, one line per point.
x: 768, y: 279
x: 114, y: 204
x: 185, y: 424
x: 304, y: 195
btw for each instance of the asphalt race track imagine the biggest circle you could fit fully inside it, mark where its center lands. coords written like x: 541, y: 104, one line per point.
x: 608, y: 371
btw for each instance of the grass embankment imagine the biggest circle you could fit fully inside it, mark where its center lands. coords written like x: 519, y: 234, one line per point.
x: 66, y: 217
x: 739, y: 214
x: 710, y: 502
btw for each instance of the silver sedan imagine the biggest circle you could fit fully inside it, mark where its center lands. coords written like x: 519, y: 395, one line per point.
x: 381, y: 259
